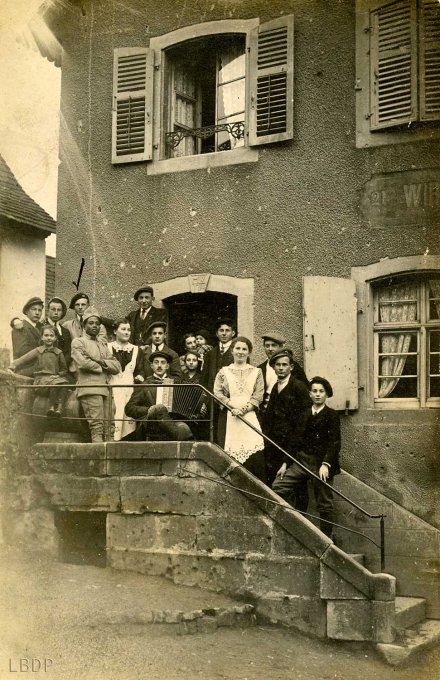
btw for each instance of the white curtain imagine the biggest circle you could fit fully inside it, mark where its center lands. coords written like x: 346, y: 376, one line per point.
x: 393, y: 307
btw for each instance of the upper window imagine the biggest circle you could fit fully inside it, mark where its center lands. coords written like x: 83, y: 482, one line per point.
x: 398, y: 69
x: 207, y: 89
x: 407, y: 341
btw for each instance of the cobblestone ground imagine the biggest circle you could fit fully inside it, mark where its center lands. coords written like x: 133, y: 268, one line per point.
x: 62, y: 613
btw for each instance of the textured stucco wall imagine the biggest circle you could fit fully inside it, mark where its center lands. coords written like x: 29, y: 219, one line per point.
x: 22, y: 276
x: 295, y: 212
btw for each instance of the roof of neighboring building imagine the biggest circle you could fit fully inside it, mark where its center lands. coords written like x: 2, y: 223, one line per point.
x: 18, y: 207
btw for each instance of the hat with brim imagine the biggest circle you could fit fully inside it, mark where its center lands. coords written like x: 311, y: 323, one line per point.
x: 143, y: 289
x: 281, y: 353
x: 156, y: 324
x: 77, y: 297
x: 158, y: 354
x: 325, y: 383
x: 31, y: 302
x: 275, y: 336
x: 91, y: 311
x: 62, y: 303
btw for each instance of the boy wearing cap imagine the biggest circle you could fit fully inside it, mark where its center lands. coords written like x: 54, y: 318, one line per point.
x: 142, y: 318
x: 94, y: 362
x: 319, y: 452
x: 79, y: 303
x: 151, y: 403
x: 27, y: 336
x: 283, y: 417
x: 157, y: 334
x: 272, y: 342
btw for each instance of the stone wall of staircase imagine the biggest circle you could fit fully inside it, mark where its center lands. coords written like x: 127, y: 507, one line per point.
x: 184, y: 512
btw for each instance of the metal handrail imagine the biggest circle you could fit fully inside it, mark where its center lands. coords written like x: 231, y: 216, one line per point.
x: 213, y: 399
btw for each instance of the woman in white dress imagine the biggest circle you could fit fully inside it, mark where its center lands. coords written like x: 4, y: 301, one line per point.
x: 126, y: 354
x: 241, y: 387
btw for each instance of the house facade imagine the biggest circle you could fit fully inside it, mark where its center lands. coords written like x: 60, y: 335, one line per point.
x: 279, y: 163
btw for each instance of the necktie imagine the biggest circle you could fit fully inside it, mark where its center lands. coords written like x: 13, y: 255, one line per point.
x: 222, y: 349
x: 143, y: 314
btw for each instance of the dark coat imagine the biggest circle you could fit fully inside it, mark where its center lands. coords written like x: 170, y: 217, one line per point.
x: 139, y: 327
x: 214, y: 361
x: 143, y: 396
x: 284, y: 417
x: 297, y: 372
x: 24, y: 340
x: 143, y: 365
x: 321, y: 438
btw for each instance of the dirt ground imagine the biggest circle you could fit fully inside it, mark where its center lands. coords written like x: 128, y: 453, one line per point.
x: 81, y: 620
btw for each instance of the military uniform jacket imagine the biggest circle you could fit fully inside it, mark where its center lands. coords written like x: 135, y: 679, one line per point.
x: 285, y: 414
x: 86, y: 353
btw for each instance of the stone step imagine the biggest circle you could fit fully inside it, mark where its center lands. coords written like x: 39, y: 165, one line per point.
x: 412, y: 641
x: 409, y: 611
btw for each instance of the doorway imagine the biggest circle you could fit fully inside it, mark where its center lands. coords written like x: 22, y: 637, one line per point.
x: 189, y: 312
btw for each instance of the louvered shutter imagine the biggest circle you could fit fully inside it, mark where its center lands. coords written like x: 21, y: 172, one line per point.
x: 330, y: 336
x: 430, y: 60
x: 271, y: 82
x: 132, y: 104
x: 393, y: 60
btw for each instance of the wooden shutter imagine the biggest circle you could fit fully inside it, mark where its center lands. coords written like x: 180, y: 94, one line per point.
x: 393, y: 63
x: 132, y: 104
x: 271, y: 82
x: 429, y: 65
x: 330, y: 336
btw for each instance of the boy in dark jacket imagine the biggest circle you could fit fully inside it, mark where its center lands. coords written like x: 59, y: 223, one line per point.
x: 319, y: 452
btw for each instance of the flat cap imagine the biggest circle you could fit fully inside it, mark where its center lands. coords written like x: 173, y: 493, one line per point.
x: 32, y: 301
x: 325, y: 383
x: 275, y: 336
x: 91, y: 311
x: 284, y: 352
x: 76, y: 297
x: 62, y: 303
x: 160, y: 353
x: 156, y: 324
x: 143, y: 289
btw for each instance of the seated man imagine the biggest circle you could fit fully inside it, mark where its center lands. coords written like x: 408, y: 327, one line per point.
x: 157, y: 333
x: 319, y: 452
x: 152, y: 403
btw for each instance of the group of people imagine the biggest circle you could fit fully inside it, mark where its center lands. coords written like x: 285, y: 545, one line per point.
x: 263, y: 416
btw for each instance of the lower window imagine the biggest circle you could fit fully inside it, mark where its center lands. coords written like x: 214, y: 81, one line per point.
x: 407, y: 341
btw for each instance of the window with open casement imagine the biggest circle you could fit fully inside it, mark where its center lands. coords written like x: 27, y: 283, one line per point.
x: 217, y: 87
x: 407, y: 341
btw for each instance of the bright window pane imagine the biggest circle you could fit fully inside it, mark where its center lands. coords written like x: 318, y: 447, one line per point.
x: 398, y: 365
x: 398, y: 303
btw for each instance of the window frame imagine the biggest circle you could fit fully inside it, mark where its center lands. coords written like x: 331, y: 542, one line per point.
x: 421, y: 327
x: 365, y: 137
x: 160, y: 164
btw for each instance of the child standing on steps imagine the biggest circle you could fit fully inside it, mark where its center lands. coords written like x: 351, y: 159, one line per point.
x: 48, y: 367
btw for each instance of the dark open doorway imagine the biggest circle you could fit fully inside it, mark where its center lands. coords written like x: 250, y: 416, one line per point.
x: 189, y: 312
x: 82, y: 537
